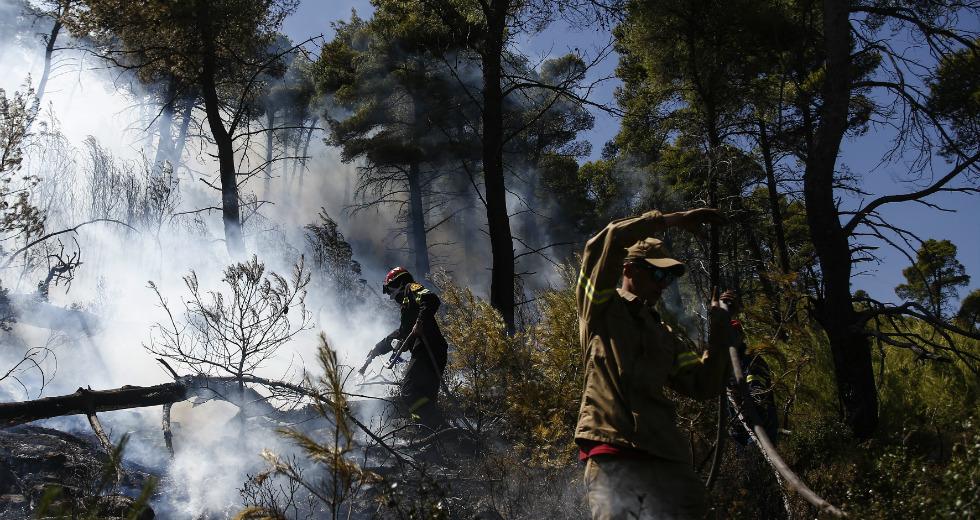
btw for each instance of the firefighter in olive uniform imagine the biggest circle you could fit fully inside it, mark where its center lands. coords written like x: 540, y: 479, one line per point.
x: 638, y: 461
x: 418, y: 327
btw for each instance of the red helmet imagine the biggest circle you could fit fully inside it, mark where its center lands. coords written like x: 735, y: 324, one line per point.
x: 395, y: 274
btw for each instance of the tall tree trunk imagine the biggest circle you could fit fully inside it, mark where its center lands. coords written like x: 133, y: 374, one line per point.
x: 230, y: 213
x: 270, y: 122
x: 165, y: 123
x: 714, y: 147
x: 287, y: 179
x: 420, y: 245
x: 52, y: 38
x: 774, y: 209
x: 771, y: 292
x: 835, y: 312
x: 185, y: 123
x: 303, y: 156
x: 498, y: 220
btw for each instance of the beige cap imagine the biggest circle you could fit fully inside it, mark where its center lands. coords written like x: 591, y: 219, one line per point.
x: 656, y: 254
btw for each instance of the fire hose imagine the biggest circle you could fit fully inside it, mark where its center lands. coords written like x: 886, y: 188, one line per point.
x: 752, y: 422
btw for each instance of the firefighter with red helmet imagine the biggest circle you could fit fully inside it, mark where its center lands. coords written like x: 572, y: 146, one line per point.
x: 423, y: 339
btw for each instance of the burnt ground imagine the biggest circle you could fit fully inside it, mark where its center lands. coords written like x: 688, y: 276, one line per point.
x: 35, y: 461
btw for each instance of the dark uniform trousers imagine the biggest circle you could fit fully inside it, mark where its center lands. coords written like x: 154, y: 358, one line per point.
x: 420, y: 386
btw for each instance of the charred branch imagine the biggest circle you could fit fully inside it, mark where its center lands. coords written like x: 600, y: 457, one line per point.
x: 85, y: 401
x: 61, y: 269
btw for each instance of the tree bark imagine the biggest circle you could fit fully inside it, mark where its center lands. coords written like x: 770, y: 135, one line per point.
x: 305, y: 154
x: 49, y: 49
x: 714, y: 146
x: 165, y: 123
x: 91, y: 401
x: 834, y: 311
x: 420, y: 246
x: 230, y: 212
x: 270, y: 123
x: 84, y: 401
x: 498, y: 219
x: 185, y: 123
x: 782, y: 252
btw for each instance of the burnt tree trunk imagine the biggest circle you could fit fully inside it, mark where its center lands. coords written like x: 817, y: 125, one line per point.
x: 91, y: 401
x: 84, y: 401
x: 714, y: 147
x: 498, y: 219
x: 305, y: 155
x: 230, y: 212
x: 835, y: 312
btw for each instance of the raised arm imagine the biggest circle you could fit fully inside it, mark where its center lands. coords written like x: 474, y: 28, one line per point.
x: 602, y: 260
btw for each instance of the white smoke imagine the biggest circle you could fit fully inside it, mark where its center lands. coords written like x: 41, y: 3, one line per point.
x: 84, y: 99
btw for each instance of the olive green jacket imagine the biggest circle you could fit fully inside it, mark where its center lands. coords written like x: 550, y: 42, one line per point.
x: 631, y: 355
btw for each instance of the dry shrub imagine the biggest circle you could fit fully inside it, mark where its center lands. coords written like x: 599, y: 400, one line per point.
x: 526, y: 386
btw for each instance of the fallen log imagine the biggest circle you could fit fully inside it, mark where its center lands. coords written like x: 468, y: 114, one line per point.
x: 89, y: 402
x: 85, y: 401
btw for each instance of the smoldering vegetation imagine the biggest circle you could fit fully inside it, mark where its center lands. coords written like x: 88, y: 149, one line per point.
x: 196, y: 212
x: 118, y: 272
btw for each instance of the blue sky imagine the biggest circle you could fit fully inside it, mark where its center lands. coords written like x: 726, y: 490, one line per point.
x: 861, y: 154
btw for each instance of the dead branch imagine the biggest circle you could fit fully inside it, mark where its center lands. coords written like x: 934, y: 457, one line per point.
x: 96, y: 425
x: 902, y: 336
x: 61, y: 232
x: 168, y: 436
x: 933, y: 188
x: 85, y: 401
x: 61, y: 269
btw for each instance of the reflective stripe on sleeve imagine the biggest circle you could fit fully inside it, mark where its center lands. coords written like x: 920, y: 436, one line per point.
x: 686, y: 359
x: 596, y: 297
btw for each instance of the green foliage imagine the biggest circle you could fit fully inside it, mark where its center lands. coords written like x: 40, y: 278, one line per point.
x: 935, y: 277
x: 487, y: 366
x: 19, y: 219
x: 955, y: 95
x: 969, y: 313
x: 164, y: 38
x: 333, y: 258
x: 688, y: 67
x: 345, y: 478
x: 920, y: 458
x: 526, y: 385
x: 900, y: 482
